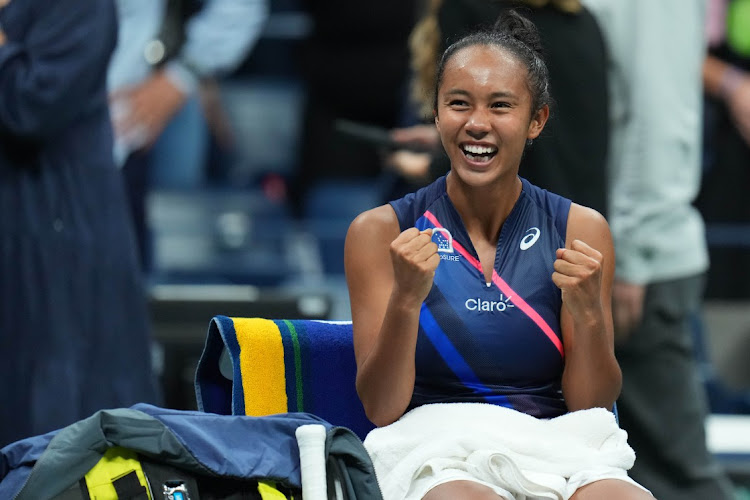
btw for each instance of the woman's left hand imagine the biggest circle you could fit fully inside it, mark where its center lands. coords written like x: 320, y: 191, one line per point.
x: 578, y: 273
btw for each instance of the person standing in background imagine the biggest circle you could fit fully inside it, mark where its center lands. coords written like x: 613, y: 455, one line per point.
x: 726, y: 77
x: 657, y: 51
x: 74, y: 335
x: 165, y: 49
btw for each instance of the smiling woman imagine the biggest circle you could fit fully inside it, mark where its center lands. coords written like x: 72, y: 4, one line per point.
x: 485, y: 112
x: 519, y: 317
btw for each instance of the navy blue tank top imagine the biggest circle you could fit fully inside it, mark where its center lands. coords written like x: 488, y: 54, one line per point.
x: 500, y: 342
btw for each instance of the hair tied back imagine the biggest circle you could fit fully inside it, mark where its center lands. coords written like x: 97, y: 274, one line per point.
x: 514, y: 25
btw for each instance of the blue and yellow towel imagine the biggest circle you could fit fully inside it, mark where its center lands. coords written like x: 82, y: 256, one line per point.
x: 281, y: 366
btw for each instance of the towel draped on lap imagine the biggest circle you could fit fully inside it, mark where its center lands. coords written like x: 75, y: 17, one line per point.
x: 517, y: 453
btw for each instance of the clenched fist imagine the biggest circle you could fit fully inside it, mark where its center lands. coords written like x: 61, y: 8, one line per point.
x: 578, y: 273
x: 414, y: 257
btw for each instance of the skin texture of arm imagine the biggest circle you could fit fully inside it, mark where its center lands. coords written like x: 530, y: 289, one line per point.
x: 627, y: 308
x: 584, y: 272
x: 389, y: 274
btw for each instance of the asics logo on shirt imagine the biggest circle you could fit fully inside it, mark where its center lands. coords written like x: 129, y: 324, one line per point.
x: 529, y: 240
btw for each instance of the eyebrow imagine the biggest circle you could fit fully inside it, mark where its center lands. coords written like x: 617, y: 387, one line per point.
x: 493, y: 95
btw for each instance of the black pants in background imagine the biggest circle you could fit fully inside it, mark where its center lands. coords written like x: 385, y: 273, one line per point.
x: 663, y: 404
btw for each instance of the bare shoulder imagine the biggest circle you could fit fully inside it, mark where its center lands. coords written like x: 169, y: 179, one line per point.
x: 369, y: 237
x: 382, y: 218
x: 588, y: 225
x: 380, y: 222
x: 585, y: 215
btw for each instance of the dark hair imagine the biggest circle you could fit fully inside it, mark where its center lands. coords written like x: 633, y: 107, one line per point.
x: 518, y: 35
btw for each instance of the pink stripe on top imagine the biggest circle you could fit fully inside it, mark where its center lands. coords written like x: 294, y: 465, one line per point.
x: 506, y: 289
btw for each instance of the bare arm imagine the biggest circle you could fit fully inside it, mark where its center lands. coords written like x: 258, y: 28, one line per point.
x: 731, y: 84
x: 388, y: 275
x: 715, y: 73
x: 584, y: 272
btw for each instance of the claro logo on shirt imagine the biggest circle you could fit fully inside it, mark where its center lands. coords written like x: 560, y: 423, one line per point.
x: 482, y: 305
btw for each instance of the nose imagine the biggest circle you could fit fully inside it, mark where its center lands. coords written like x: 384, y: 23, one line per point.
x: 478, y: 125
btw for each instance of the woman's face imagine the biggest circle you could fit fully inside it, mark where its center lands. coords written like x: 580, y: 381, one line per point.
x: 484, y: 114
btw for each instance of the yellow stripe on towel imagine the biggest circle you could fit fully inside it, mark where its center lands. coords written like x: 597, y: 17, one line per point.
x: 262, y: 366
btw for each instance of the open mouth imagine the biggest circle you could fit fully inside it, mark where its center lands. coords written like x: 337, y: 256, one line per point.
x: 479, y: 154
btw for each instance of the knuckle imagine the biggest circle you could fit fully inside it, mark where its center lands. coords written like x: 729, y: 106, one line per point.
x: 411, y: 232
x: 426, y: 268
x: 595, y: 266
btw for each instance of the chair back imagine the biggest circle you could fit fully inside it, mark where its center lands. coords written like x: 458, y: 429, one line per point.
x: 257, y: 366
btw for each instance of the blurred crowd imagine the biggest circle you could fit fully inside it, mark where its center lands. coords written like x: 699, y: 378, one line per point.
x: 152, y: 142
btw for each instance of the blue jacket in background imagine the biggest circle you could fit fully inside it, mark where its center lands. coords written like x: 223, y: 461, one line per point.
x: 74, y: 334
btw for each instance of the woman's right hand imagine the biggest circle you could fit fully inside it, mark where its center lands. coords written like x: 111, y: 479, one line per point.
x: 415, y: 258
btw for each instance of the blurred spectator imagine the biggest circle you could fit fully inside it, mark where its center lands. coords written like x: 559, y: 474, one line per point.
x: 656, y: 53
x: 165, y: 49
x: 726, y: 80
x: 726, y: 76
x: 569, y: 158
x: 74, y: 334
x: 354, y: 67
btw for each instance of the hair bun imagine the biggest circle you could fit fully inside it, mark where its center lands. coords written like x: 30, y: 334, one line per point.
x: 514, y: 25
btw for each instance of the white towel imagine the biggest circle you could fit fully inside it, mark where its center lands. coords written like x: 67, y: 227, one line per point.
x: 528, y: 457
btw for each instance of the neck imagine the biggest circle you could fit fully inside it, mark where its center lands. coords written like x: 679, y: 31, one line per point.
x: 484, y: 209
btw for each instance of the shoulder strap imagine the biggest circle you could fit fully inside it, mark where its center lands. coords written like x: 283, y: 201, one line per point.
x: 117, y: 475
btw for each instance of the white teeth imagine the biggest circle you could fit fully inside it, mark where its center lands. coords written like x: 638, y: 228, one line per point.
x: 479, y: 150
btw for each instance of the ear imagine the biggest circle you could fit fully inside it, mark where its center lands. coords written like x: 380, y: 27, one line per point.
x: 537, y: 122
x: 437, y: 121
